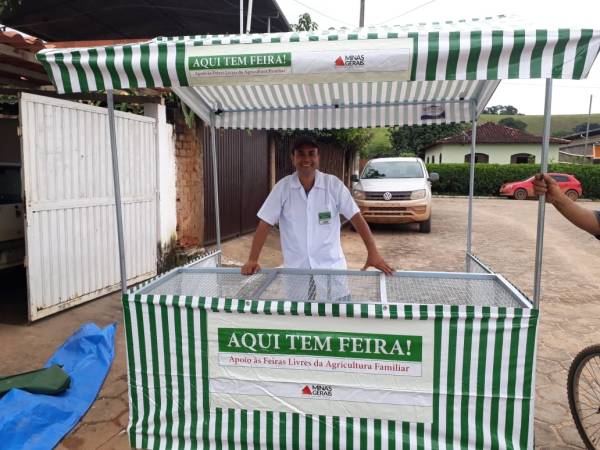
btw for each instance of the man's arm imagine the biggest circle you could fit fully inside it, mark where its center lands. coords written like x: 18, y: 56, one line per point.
x: 252, y: 266
x: 374, y: 259
x: 579, y: 216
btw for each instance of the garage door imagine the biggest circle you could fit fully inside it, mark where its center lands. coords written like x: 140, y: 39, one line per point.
x: 70, y: 225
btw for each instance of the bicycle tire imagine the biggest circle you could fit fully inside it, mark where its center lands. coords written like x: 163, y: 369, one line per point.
x: 578, y: 366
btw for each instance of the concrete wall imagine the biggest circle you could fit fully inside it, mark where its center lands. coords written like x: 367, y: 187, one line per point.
x: 498, y: 153
x: 167, y: 172
x: 10, y: 149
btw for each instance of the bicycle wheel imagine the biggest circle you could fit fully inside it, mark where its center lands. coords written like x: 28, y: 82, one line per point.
x: 583, y: 389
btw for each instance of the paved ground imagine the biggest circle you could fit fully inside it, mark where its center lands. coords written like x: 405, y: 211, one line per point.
x: 504, y: 238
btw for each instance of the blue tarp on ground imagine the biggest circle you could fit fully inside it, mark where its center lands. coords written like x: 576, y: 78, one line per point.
x: 37, y: 421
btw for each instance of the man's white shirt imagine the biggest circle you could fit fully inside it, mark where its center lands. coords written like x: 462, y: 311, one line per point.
x: 309, y: 225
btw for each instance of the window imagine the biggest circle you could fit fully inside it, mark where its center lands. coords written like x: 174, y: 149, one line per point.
x: 393, y: 169
x: 480, y: 158
x: 522, y: 158
x: 560, y: 178
x: 432, y: 159
x: 440, y: 158
x: 427, y: 160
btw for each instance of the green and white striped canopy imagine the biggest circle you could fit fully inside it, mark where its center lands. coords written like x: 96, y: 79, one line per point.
x: 368, y: 77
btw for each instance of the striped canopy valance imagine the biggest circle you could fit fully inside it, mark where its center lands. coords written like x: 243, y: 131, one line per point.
x: 332, y: 79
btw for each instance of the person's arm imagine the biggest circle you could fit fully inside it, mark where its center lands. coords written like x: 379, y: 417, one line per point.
x: 252, y: 266
x: 374, y: 259
x: 579, y: 216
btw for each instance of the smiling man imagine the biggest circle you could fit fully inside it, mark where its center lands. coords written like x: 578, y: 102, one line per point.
x: 307, y: 205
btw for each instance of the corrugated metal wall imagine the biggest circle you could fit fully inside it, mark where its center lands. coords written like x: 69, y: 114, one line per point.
x: 72, y: 250
x: 243, y: 164
x: 332, y: 158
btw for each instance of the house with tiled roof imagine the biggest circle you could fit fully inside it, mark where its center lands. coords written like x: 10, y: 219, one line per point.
x: 495, y: 144
x: 581, y: 149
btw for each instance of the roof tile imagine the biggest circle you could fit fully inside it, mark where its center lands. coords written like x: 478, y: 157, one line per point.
x: 494, y: 133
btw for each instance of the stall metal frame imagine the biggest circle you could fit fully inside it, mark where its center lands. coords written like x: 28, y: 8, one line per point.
x: 416, y: 74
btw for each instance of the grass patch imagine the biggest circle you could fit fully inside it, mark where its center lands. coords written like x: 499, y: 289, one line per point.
x: 560, y: 125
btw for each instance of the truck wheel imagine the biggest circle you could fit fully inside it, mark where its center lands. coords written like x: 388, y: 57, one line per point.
x: 425, y: 227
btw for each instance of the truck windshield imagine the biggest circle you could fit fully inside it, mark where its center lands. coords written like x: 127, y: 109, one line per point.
x: 10, y: 185
x: 393, y: 169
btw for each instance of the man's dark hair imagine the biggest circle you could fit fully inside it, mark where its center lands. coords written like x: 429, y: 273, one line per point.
x: 304, y: 141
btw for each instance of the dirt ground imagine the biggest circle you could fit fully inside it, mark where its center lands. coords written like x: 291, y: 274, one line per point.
x: 504, y: 238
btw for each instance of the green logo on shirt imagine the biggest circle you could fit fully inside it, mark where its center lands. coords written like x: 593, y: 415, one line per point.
x: 324, y: 217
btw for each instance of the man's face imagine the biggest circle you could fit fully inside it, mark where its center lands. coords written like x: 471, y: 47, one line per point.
x: 306, y: 160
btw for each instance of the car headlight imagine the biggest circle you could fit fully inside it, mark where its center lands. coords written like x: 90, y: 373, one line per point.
x: 416, y: 195
x: 359, y: 195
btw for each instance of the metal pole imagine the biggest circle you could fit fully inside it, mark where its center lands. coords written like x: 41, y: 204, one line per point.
x: 471, y: 186
x: 117, y: 184
x: 213, y: 150
x: 539, y: 244
x: 361, y: 21
x: 249, y: 18
x: 587, y: 128
x: 269, y: 24
x: 241, y: 17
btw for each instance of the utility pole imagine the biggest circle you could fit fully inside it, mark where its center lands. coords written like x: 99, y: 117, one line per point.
x: 249, y: 18
x: 361, y: 21
x: 241, y: 17
x: 587, y: 128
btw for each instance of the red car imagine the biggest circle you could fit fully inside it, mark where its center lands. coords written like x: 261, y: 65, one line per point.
x: 520, y: 190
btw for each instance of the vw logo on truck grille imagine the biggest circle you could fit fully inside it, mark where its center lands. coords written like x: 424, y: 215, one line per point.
x: 387, y: 196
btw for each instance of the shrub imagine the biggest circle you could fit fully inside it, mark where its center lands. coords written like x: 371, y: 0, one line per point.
x: 454, y: 178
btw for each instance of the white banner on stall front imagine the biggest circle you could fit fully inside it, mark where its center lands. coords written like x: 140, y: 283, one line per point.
x: 322, y: 365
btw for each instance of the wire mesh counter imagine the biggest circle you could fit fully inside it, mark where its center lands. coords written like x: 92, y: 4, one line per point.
x: 330, y: 359
x: 443, y: 288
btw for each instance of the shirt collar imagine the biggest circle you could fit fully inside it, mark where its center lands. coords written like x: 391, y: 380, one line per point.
x: 319, y: 181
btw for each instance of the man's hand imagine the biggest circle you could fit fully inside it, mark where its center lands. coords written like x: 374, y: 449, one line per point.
x: 545, y: 184
x: 250, y: 268
x: 374, y: 259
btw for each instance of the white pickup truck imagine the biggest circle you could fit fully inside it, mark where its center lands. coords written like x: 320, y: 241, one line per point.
x: 395, y: 190
x: 12, y: 242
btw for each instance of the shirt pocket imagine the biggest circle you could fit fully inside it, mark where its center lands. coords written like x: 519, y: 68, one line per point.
x: 329, y: 226
x: 294, y: 209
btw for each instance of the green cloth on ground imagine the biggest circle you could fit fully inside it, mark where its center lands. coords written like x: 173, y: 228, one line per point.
x: 49, y: 381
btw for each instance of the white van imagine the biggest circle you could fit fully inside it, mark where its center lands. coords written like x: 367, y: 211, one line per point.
x: 395, y: 190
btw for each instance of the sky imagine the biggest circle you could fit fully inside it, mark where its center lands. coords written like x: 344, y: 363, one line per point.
x: 568, y: 96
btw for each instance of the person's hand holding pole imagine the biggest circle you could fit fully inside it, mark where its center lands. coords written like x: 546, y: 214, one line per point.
x: 584, y: 218
x: 544, y: 184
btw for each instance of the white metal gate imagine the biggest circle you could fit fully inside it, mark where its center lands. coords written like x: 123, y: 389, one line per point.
x: 70, y: 225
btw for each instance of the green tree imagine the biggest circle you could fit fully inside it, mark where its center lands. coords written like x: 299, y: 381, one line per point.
x: 503, y: 110
x: 350, y: 139
x: 305, y: 23
x: 513, y: 123
x: 9, y: 5
x: 415, y: 138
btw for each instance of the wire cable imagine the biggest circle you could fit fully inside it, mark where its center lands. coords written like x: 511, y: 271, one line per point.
x: 323, y: 14
x: 406, y: 12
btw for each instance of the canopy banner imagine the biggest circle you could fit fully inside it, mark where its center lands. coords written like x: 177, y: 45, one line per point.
x: 292, y: 62
x: 227, y: 373
x: 459, y: 51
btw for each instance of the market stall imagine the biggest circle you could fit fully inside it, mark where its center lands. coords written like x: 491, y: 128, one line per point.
x: 333, y: 359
